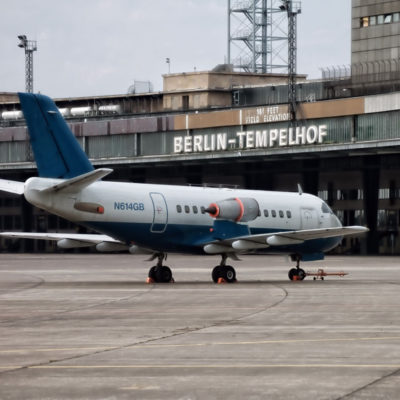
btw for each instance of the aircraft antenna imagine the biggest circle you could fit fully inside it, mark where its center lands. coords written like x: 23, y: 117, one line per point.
x: 299, y: 189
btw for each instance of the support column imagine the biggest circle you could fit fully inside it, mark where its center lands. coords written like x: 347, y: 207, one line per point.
x: 27, y: 222
x: 371, y: 197
x: 311, y: 176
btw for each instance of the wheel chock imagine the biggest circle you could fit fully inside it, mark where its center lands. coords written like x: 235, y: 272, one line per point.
x: 149, y: 280
x: 221, y: 280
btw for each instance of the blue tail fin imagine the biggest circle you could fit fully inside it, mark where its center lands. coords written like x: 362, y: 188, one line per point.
x: 57, y: 152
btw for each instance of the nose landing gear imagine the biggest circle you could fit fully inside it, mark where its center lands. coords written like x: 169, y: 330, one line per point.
x: 297, y: 274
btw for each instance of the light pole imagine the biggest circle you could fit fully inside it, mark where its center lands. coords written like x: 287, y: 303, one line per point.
x: 293, y: 8
x: 30, y: 46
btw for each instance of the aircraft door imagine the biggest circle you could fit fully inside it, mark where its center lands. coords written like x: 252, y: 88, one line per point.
x: 160, y: 213
x: 309, y: 218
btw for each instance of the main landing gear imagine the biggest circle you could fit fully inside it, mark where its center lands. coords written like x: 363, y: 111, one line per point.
x: 297, y: 274
x: 226, y: 272
x: 160, y: 273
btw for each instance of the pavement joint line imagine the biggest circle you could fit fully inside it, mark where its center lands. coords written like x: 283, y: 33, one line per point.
x: 215, y: 366
x: 166, y: 345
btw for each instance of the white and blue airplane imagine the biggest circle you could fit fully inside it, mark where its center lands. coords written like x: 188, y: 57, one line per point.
x: 163, y: 218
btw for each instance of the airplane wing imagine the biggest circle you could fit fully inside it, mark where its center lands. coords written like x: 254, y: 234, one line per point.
x: 11, y: 186
x: 89, y: 238
x: 72, y: 240
x: 264, y: 240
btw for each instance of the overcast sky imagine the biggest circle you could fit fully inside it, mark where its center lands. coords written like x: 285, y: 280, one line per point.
x: 99, y: 47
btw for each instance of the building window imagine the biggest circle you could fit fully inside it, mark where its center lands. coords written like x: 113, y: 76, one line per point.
x: 388, y: 18
x: 185, y: 102
x: 323, y: 194
x: 359, y: 217
x: 236, y: 98
x: 364, y: 22
x: 379, y: 19
x: 384, y: 193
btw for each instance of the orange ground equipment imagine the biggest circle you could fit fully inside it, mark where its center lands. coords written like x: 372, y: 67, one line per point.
x: 321, y: 274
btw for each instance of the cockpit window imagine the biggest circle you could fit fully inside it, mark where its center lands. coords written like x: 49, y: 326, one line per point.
x: 326, y: 209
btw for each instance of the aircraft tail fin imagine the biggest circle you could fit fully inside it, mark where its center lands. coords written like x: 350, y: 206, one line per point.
x: 57, y: 152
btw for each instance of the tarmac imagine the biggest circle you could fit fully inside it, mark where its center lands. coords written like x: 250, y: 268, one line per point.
x: 88, y: 327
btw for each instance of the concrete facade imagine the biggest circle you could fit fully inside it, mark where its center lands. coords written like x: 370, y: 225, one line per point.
x: 375, y: 31
x: 210, y: 89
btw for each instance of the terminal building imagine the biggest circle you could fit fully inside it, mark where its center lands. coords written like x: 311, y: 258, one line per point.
x: 223, y: 127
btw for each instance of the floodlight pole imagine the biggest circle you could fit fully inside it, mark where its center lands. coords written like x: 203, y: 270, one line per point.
x: 30, y: 46
x: 293, y: 8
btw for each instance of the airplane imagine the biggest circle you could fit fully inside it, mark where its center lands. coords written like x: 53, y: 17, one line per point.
x: 160, y: 219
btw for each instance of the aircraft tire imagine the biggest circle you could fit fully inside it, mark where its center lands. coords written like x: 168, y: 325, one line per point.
x: 292, y: 273
x: 163, y: 274
x: 229, y: 274
x: 152, y: 272
x: 301, y: 274
x: 216, y: 273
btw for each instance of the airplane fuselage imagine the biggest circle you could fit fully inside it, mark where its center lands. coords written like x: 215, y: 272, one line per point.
x: 173, y: 218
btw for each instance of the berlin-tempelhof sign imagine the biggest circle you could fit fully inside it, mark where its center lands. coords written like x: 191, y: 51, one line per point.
x: 251, y: 139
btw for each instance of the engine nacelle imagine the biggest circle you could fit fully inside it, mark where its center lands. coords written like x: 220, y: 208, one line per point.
x: 237, y: 209
x: 72, y: 244
x: 105, y: 247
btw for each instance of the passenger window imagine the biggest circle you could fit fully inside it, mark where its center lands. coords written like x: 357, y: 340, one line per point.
x: 281, y: 213
x: 273, y: 213
x: 195, y: 210
x: 266, y: 213
x: 187, y: 209
x: 203, y: 210
x: 179, y: 208
x: 289, y: 214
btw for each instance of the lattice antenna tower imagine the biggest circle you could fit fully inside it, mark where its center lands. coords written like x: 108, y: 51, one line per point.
x: 30, y: 46
x: 257, y: 36
x: 292, y: 8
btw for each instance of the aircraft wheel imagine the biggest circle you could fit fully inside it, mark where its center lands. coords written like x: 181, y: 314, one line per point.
x: 292, y: 273
x: 229, y: 274
x: 301, y: 274
x: 152, y: 272
x: 163, y: 274
x: 216, y: 273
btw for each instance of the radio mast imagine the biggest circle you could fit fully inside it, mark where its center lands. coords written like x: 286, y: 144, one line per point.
x: 30, y: 46
x: 293, y: 8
